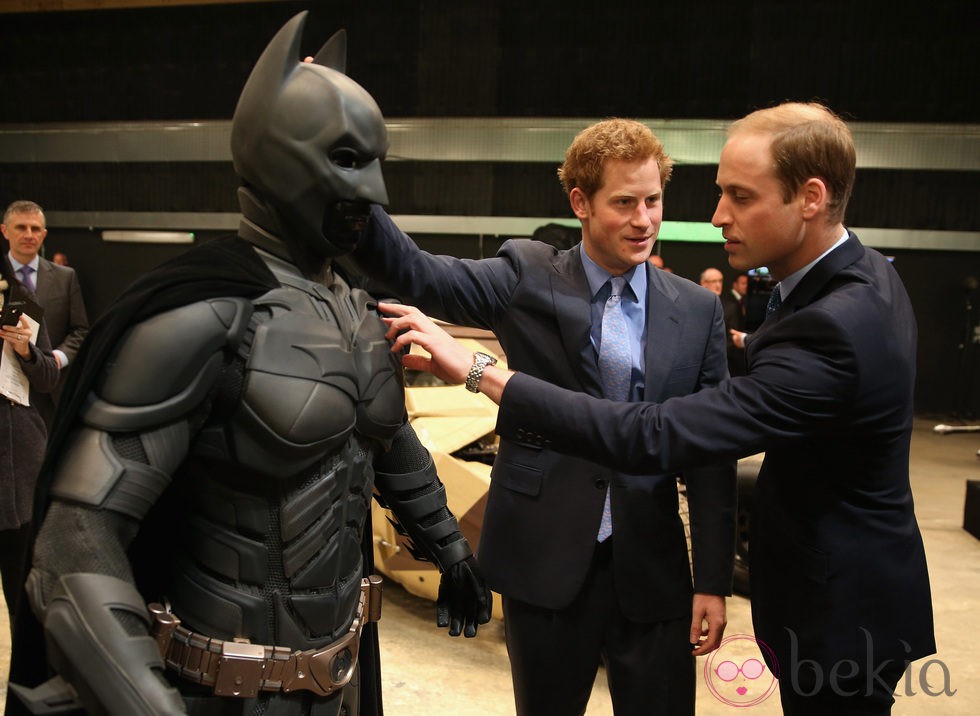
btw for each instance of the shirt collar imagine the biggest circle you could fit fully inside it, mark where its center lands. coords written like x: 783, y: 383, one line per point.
x: 787, y: 285
x: 17, y: 265
x: 597, y: 277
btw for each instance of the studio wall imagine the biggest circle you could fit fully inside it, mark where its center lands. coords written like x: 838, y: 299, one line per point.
x: 902, y: 67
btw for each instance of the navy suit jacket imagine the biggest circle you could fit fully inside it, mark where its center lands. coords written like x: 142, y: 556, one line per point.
x: 543, y: 508
x: 837, y: 562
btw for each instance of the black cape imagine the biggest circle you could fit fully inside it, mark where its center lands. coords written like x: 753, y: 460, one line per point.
x: 227, y: 266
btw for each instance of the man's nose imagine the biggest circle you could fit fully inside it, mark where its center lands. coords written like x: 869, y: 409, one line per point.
x: 641, y: 217
x: 720, y: 217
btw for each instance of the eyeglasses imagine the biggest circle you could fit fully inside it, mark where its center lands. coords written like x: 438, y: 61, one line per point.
x: 750, y: 669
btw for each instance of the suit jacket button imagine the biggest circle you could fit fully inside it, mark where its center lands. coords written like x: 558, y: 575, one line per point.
x: 520, y: 433
x: 601, y: 484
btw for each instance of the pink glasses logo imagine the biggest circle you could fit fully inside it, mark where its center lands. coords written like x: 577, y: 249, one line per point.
x: 736, y: 672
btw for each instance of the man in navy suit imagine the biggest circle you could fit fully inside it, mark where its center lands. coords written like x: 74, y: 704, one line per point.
x: 840, y: 590
x: 572, y: 597
x: 56, y: 288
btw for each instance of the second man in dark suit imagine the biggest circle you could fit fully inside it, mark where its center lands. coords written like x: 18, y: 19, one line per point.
x: 733, y: 304
x: 572, y: 597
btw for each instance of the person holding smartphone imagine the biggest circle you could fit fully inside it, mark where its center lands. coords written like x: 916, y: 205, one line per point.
x: 24, y: 435
x: 55, y: 288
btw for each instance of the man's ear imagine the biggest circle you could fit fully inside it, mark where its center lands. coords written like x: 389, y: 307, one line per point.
x: 815, y: 197
x: 579, y: 202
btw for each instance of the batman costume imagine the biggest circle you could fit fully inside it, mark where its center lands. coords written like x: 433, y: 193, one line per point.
x: 205, y: 547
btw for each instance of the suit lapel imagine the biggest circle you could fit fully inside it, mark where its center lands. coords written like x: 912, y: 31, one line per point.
x: 812, y: 284
x: 570, y: 295
x: 663, y: 333
x: 42, y: 281
x: 817, y: 277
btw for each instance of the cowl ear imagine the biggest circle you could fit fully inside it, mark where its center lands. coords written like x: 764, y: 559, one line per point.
x: 278, y: 60
x: 334, y: 53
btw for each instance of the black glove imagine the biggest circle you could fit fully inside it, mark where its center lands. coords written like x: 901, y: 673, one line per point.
x: 464, y: 600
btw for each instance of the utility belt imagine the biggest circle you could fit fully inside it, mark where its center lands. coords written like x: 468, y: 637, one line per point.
x: 240, y: 668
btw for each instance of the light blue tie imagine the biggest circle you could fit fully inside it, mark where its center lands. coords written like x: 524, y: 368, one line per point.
x: 615, y: 367
x: 775, y: 301
x: 27, y: 277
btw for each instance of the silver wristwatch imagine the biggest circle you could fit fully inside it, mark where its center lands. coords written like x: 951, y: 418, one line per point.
x: 480, y: 361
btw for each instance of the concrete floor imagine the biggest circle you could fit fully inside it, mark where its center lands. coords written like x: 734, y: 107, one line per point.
x: 426, y: 672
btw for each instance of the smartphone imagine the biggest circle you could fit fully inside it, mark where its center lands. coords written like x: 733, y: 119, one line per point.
x: 11, y: 313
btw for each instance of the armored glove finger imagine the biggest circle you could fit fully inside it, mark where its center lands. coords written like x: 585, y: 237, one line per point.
x: 464, y: 600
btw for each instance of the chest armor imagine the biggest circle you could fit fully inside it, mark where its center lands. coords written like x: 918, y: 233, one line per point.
x: 279, y: 482
x: 317, y: 370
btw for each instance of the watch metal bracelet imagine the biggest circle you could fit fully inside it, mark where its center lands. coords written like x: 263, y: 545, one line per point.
x: 480, y: 362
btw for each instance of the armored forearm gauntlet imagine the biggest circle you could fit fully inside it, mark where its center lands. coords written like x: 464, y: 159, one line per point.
x: 407, y: 483
x: 97, y: 635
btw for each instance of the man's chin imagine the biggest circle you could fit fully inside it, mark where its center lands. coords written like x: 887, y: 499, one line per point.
x: 739, y: 263
x: 640, y: 254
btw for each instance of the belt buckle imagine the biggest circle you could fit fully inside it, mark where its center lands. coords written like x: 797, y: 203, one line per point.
x: 333, y: 668
x: 239, y: 669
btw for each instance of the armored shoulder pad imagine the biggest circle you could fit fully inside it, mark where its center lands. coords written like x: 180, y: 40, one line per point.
x: 165, y: 365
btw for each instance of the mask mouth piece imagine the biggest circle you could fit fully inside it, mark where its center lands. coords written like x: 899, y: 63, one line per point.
x: 354, y: 213
x: 344, y: 221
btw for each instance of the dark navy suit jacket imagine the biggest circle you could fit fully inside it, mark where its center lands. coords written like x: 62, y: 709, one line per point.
x: 543, y: 508
x: 837, y: 561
